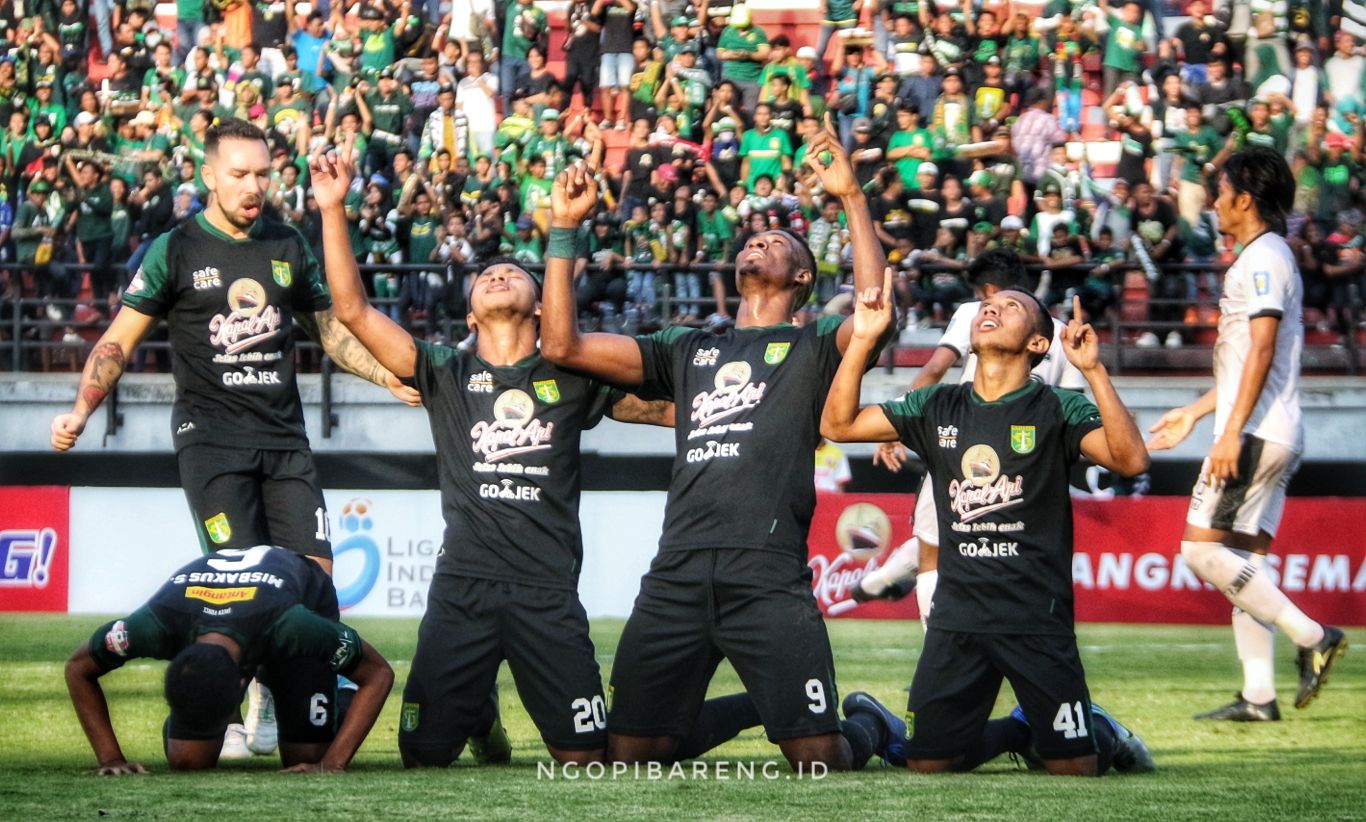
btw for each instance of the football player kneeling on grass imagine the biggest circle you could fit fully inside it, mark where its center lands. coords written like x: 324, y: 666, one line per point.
x: 217, y: 619
x: 998, y: 451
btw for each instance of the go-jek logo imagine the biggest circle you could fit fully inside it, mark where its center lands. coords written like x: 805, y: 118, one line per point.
x: 356, y: 524
x: 26, y: 557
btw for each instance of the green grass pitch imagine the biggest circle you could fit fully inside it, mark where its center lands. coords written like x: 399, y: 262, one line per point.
x: 1312, y: 765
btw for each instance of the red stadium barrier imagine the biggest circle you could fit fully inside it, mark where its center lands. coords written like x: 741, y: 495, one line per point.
x: 35, y: 544
x: 1127, y: 565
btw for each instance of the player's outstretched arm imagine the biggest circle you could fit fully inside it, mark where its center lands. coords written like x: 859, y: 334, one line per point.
x: 87, y: 697
x: 1223, y: 457
x: 1117, y: 444
x: 1177, y: 423
x: 103, y: 368
x: 357, y: 336
x: 374, y: 679
x: 610, y: 357
x: 631, y: 408
x: 838, y: 178
x: 843, y: 420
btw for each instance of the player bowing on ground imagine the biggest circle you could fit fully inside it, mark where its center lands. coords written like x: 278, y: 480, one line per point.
x: 1258, y: 437
x: 506, y: 424
x: 1003, y: 608
x: 731, y: 579
x: 217, y: 619
x: 917, y: 562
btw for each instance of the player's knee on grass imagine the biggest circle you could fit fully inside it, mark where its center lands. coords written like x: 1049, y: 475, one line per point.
x: 294, y: 753
x: 630, y: 749
x: 1079, y: 766
x: 429, y: 757
x: 193, y: 754
x: 932, y: 765
x: 831, y: 750
x: 577, y: 757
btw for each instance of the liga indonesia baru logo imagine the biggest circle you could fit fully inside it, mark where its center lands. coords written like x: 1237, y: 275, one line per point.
x: 862, y: 532
x: 355, y: 525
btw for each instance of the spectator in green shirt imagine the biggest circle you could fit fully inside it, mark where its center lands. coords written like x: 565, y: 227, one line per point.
x: 378, y: 37
x: 910, y: 145
x: 782, y: 63
x: 1123, y: 45
x: 743, y: 49
x: 837, y: 15
x: 91, y: 213
x: 1195, y: 148
x: 764, y: 151
x: 523, y: 28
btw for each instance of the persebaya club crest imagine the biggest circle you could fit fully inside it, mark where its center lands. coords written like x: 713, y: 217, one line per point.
x: 219, y: 529
x: 407, y: 718
x: 1022, y: 439
x: 776, y: 352
x: 279, y: 269
x: 547, y: 391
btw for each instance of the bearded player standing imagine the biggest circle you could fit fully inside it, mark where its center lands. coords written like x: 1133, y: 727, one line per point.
x: 1258, y: 438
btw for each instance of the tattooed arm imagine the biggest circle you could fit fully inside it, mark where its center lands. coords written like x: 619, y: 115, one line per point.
x: 348, y: 353
x: 102, y: 371
x: 631, y: 408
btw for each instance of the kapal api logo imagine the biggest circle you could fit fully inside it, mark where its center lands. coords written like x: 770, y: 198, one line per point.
x: 734, y: 394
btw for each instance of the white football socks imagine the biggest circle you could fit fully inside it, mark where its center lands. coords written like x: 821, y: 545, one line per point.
x: 1247, y: 586
x: 924, y: 595
x: 901, y: 565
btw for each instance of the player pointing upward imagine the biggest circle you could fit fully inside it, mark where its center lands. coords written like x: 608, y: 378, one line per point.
x: 731, y: 579
x: 1238, y: 499
x: 1004, y: 604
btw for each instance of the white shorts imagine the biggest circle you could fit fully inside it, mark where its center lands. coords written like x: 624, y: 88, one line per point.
x: 925, y: 524
x: 615, y: 70
x: 1251, y: 502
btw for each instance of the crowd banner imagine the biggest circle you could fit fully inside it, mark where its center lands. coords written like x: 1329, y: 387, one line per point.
x: 35, y: 547
x: 1127, y: 564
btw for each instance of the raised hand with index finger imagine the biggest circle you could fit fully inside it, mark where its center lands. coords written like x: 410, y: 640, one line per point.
x: 827, y: 157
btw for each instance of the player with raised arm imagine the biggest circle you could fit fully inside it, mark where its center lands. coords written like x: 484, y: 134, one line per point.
x: 731, y: 580
x: 231, y: 285
x: 916, y: 563
x: 1258, y: 438
x: 1003, y: 609
x: 217, y: 619
x: 507, y: 425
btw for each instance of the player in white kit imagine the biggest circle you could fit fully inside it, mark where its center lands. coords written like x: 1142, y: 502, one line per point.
x: 1258, y: 438
x: 917, y: 560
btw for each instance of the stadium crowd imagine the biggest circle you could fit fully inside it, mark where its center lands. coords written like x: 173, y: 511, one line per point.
x: 971, y: 126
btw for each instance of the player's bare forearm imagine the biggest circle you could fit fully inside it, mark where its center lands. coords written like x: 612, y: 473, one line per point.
x: 869, y: 262
x: 108, y: 358
x: 842, y: 420
x: 374, y: 679
x: 633, y: 409
x: 932, y: 372
x: 611, y: 357
x: 1205, y: 405
x: 385, y: 340
x: 1123, y: 450
x: 342, y: 346
x: 87, y: 697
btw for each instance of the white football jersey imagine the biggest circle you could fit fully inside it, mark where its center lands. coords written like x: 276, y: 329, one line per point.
x: 1055, y: 369
x: 1263, y: 282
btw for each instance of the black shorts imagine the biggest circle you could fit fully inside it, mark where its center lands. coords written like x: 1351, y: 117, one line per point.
x: 470, y: 627
x: 754, y: 608
x: 959, y: 676
x: 241, y: 497
x: 305, y: 693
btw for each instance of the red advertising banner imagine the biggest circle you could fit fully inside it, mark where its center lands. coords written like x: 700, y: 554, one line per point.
x: 1127, y: 564
x: 34, y: 549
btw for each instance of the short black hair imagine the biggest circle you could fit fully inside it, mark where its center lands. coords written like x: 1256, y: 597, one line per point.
x: 1263, y: 173
x: 203, y: 690
x: 1001, y: 267
x: 233, y: 128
